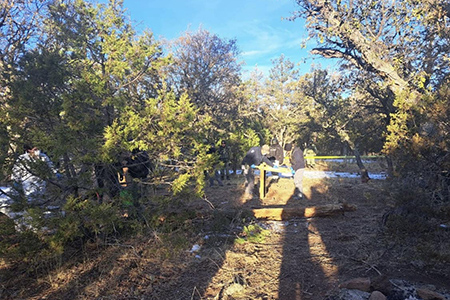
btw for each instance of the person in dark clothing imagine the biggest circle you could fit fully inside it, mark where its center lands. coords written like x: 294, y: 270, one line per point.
x: 212, y: 150
x: 297, y: 162
x: 138, y: 164
x: 276, y: 152
x: 254, y: 157
x: 224, y: 156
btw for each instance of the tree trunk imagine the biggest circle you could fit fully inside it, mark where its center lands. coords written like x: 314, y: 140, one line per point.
x: 390, y: 166
x: 371, y: 51
x: 364, y: 173
x: 358, y: 159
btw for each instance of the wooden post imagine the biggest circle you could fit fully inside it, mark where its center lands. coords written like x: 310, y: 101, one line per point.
x: 263, y: 168
x: 262, y: 183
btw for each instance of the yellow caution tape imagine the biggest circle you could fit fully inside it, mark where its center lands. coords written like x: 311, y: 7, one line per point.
x: 344, y: 157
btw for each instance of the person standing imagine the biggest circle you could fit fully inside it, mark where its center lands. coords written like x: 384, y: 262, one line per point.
x: 297, y: 161
x: 214, y: 170
x: 276, y: 152
x: 224, y: 156
x: 310, y: 152
x: 30, y: 172
x: 254, y: 157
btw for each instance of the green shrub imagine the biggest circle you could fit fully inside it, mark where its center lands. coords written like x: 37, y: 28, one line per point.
x: 253, y: 233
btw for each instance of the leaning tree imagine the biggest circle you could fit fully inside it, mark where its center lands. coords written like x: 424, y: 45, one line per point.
x: 404, y: 46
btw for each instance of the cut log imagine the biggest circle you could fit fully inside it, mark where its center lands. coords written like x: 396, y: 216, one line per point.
x: 279, y: 214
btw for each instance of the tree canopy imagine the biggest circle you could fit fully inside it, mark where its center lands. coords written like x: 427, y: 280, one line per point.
x: 401, y: 47
x: 81, y: 83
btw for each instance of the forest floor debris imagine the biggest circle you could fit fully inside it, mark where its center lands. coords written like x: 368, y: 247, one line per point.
x: 226, y: 253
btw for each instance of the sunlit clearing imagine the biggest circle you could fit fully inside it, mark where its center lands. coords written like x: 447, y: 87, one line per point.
x: 319, y: 253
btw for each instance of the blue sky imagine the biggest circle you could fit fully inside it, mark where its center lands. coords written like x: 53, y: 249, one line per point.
x: 258, y: 26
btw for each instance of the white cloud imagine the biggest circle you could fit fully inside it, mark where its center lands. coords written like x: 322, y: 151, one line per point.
x: 251, y: 53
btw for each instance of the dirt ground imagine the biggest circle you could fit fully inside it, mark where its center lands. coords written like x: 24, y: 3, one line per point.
x: 299, y: 258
